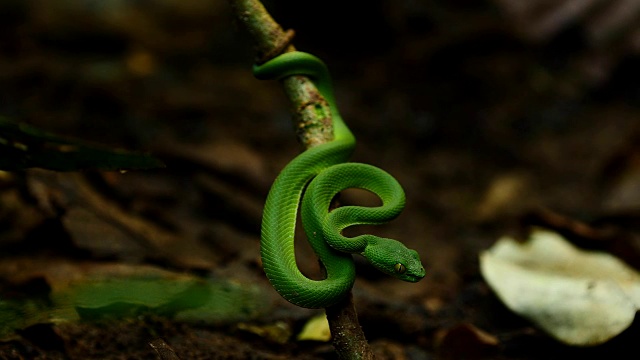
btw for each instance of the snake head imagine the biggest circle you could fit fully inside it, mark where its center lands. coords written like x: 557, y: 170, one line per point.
x: 394, y: 258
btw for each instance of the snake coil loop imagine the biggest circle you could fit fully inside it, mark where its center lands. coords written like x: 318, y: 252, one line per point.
x: 320, y: 173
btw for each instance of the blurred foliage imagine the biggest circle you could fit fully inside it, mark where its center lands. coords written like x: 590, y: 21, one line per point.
x: 183, y: 298
x: 23, y: 146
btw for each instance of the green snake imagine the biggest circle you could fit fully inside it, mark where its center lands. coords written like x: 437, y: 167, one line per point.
x: 320, y: 173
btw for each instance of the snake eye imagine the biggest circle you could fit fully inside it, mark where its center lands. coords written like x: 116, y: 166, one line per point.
x: 400, y: 269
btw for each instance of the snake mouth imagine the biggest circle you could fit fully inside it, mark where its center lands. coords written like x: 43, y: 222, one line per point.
x: 416, y: 277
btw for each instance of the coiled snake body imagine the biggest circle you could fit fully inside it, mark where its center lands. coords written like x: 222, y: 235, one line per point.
x: 320, y: 173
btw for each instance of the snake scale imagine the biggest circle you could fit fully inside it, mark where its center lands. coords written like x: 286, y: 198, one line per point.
x: 316, y: 176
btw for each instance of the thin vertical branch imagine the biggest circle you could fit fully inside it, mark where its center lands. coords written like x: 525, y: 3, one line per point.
x: 346, y: 334
x: 313, y: 129
x: 271, y: 40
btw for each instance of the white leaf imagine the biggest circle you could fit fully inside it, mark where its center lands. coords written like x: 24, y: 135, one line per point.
x: 579, y: 297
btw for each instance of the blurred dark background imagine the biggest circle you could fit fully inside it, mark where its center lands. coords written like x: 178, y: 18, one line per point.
x: 484, y: 110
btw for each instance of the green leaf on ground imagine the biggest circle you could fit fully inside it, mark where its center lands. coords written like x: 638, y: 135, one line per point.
x: 181, y: 297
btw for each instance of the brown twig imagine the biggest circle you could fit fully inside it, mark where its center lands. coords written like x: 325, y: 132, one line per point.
x: 346, y: 334
x: 313, y: 129
x: 164, y: 351
x: 270, y: 40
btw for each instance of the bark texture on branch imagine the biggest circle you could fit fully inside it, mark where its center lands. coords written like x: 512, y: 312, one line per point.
x: 312, y: 116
